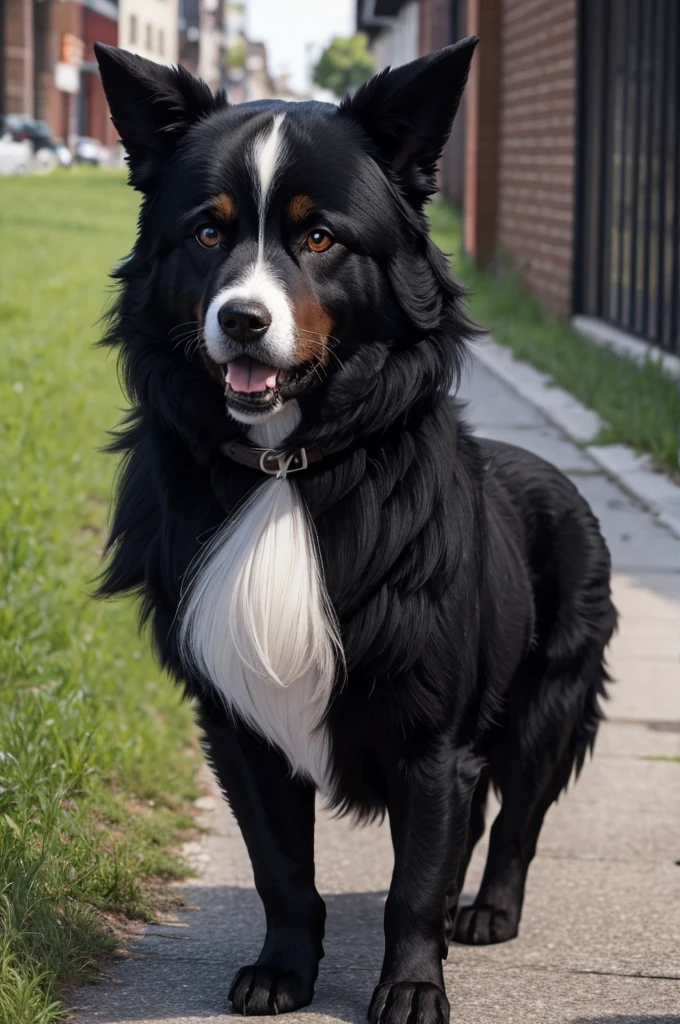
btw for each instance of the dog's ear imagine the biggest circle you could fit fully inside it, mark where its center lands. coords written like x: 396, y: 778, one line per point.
x: 152, y: 106
x: 408, y: 111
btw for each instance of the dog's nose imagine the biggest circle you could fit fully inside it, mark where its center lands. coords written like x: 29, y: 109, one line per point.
x: 244, y: 321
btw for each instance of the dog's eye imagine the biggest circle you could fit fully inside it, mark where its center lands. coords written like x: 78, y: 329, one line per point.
x: 208, y: 236
x: 319, y: 241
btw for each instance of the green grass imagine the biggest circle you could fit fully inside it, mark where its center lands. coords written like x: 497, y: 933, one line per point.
x: 640, y: 403
x: 97, y: 753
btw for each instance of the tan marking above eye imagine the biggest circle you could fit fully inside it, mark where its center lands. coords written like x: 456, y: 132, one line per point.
x: 299, y: 208
x: 208, y: 236
x: 224, y: 207
x: 319, y: 241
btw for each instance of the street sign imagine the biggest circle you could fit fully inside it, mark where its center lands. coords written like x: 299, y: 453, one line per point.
x: 71, y: 50
x: 66, y: 77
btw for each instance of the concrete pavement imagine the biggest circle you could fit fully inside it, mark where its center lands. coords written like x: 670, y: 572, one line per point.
x: 600, y: 935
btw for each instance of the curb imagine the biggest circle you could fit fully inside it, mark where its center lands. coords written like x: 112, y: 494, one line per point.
x: 608, y: 337
x: 631, y: 471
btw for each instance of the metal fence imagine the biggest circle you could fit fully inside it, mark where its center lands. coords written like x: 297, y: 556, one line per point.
x: 628, y: 253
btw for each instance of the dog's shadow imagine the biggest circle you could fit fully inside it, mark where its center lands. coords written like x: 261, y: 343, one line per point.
x: 183, y: 972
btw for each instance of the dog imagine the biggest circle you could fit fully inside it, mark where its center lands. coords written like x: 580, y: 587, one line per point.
x: 360, y: 597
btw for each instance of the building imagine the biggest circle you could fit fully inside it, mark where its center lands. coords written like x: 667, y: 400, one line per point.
x: 16, y: 57
x: 99, y: 24
x: 150, y: 28
x: 47, y: 63
x: 189, y: 34
x: 236, y: 51
x: 399, y: 31
x: 569, y: 159
x: 212, y: 33
x: 67, y: 89
x: 260, y: 84
x: 393, y: 28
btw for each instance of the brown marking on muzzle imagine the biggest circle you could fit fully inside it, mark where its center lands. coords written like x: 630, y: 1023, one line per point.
x: 299, y: 208
x: 224, y: 207
x: 314, y: 328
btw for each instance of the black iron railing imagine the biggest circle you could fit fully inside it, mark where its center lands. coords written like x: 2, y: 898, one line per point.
x: 628, y: 202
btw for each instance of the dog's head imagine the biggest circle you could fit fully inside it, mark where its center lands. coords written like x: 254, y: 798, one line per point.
x: 290, y: 236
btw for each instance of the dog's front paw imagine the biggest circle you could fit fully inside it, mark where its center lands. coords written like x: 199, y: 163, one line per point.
x: 484, y: 925
x: 260, y: 990
x: 415, y: 1002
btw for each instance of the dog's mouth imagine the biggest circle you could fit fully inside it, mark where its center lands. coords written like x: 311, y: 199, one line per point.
x: 251, y: 385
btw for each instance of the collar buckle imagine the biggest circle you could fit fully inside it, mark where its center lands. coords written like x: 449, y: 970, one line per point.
x: 285, y: 464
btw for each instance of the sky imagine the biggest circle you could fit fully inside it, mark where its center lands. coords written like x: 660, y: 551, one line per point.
x: 288, y: 26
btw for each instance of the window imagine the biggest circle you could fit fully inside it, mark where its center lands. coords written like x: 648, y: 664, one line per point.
x: 149, y: 36
x: 133, y: 28
x: 161, y: 41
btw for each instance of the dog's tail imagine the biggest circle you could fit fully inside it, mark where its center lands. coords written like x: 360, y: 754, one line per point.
x: 585, y: 732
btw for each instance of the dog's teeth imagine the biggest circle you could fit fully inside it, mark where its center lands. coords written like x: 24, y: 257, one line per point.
x: 282, y: 375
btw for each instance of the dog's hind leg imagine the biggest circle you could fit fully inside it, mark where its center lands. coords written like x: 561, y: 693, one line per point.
x: 275, y: 812
x: 476, y: 825
x: 550, y: 729
x: 475, y: 832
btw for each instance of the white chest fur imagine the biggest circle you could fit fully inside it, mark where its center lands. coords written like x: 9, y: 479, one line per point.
x: 256, y: 621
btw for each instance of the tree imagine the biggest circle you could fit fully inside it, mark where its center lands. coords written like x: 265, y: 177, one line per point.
x: 344, y: 65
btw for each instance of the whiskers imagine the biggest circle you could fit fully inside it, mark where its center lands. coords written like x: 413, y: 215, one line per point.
x: 311, y: 339
x: 190, y: 337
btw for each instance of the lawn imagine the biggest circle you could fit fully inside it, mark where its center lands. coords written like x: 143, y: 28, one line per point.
x: 97, y: 753
x: 640, y: 404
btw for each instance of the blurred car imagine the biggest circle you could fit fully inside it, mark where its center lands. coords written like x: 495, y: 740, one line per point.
x: 16, y: 125
x: 89, y: 151
x: 49, y: 151
x: 15, y: 157
x: 54, y: 154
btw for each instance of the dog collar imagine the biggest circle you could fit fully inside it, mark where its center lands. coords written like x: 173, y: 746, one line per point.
x: 270, y: 460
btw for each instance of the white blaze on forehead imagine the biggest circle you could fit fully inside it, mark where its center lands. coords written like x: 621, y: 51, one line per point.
x: 267, y: 153
x: 260, y: 282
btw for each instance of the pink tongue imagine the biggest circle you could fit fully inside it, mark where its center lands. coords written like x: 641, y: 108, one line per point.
x: 247, y: 375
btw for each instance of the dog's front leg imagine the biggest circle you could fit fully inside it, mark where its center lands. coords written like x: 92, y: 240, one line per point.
x: 429, y: 806
x: 276, y: 815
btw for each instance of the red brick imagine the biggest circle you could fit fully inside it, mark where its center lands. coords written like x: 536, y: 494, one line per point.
x: 537, y: 145
x: 482, y: 140
x: 435, y: 30
x: 18, y: 44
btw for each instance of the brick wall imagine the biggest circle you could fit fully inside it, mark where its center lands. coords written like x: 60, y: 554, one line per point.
x: 59, y: 109
x: 439, y: 27
x: 482, y: 131
x: 95, y: 118
x: 435, y: 24
x: 17, y: 38
x: 536, y: 173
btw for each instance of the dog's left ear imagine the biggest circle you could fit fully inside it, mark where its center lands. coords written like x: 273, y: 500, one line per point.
x: 152, y: 106
x: 408, y: 111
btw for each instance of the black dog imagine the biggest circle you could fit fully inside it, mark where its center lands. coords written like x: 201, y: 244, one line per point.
x: 360, y: 597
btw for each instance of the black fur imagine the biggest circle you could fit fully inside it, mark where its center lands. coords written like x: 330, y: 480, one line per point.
x: 470, y: 580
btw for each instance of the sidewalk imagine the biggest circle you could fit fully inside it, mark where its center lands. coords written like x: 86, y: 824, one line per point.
x: 600, y: 936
